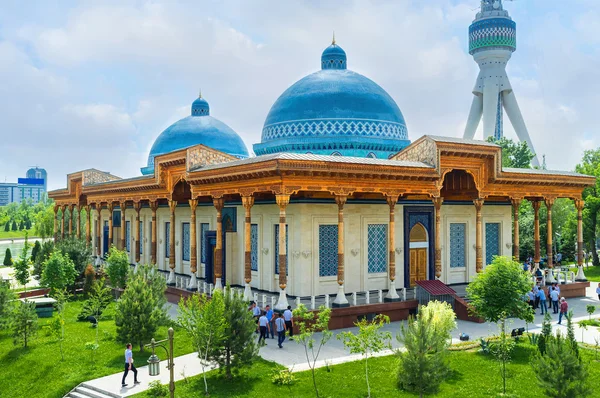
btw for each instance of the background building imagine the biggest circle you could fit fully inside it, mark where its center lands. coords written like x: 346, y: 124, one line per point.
x: 33, y: 187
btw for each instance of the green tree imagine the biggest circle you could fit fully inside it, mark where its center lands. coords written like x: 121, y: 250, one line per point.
x: 36, y: 249
x: 239, y: 346
x: 141, y: 309
x: 590, y: 165
x: 7, y: 258
x: 57, y: 325
x: 22, y: 265
x: 308, y: 325
x: 499, y: 291
x: 7, y: 226
x: 571, y: 333
x: 514, y: 154
x: 422, y: 366
x: 59, y: 272
x: 370, y: 339
x: 546, y: 334
x: 203, y: 319
x: 99, y: 298
x: 78, y: 251
x: 503, y: 350
x: 118, y: 267
x: 23, y: 322
x: 590, y: 308
x: 560, y: 373
x: 14, y: 226
x: 38, y: 261
x: 7, y: 301
x: 44, y: 222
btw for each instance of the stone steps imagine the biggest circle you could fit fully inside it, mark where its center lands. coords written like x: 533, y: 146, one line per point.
x: 86, y: 391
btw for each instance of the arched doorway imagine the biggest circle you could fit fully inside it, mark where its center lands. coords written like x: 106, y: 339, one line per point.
x: 419, y: 246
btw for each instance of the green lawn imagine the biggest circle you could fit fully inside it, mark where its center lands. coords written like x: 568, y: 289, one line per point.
x: 473, y: 375
x: 37, y: 371
x: 15, y: 234
x: 592, y: 273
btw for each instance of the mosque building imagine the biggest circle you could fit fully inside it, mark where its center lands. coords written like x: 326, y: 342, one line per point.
x: 337, y: 200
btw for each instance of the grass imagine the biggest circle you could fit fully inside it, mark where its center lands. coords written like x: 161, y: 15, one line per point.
x: 37, y: 371
x: 473, y: 375
x: 592, y: 273
x: 15, y: 234
x: 590, y: 322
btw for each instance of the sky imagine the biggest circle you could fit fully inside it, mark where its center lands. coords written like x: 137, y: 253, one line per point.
x: 92, y: 83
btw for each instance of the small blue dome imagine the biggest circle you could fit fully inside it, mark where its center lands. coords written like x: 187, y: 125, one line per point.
x: 199, y: 128
x: 334, y: 110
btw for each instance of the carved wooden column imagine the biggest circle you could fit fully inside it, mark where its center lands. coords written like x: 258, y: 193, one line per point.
x: 154, y: 208
x: 549, y: 203
x: 137, y: 206
x: 99, y: 229
x: 536, y: 232
x: 78, y: 225
x: 516, y: 202
x: 340, y: 298
x: 392, y: 295
x: 478, y: 235
x: 248, y: 202
x: 123, y: 243
x: 437, y: 203
x: 110, y: 207
x: 579, y: 204
x: 63, y: 210
x: 56, y: 207
x: 88, y: 224
x: 172, y: 207
x: 193, y: 284
x: 218, y: 259
x: 282, y: 201
x: 71, y: 212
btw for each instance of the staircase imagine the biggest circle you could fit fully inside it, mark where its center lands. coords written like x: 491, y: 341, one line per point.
x: 86, y: 391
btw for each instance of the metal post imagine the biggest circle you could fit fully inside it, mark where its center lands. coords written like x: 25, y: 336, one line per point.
x: 171, y: 364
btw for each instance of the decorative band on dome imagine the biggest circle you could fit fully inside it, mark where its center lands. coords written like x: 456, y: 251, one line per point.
x: 200, y: 107
x: 492, y: 32
x: 333, y: 57
x: 332, y: 127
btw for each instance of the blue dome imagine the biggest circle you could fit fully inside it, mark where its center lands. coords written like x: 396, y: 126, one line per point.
x: 199, y: 128
x: 334, y: 111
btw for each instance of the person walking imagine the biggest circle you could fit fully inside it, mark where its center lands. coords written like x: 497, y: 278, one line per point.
x: 554, y: 297
x: 542, y: 297
x: 263, y: 324
x: 289, y: 321
x: 536, y: 292
x: 256, y: 314
x: 129, y: 366
x: 564, y: 308
x: 531, y: 297
x: 271, y: 320
x: 598, y: 291
x: 280, y: 326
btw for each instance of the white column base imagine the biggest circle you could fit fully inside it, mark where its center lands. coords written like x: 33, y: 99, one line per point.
x: 218, y: 285
x: 248, y: 293
x: 193, y: 285
x: 135, y: 269
x: 340, y: 298
x: 171, y: 279
x: 282, y: 303
x: 580, y: 277
x: 550, y: 276
x: 392, y: 295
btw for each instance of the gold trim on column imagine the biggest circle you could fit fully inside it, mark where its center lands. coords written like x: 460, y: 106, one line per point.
x: 172, y: 254
x: 437, y: 203
x: 340, y: 200
x: 71, y: 220
x: 63, y: 210
x: 579, y: 205
x: 88, y: 224
x: 123, y: 243
x: 516, y: 203
x: 549, y: 203
x: 282, y: 201
x: 99, y: 229
x: 219, y: 203
x: 78, y: 225
x: 392, y: 201
x: 153, y: 232
x: 248, y: 202
x: 536, y: 231
x: 478, y: 235
x: 193, y: 255
x: 137, y: 206
x: 111, y: 208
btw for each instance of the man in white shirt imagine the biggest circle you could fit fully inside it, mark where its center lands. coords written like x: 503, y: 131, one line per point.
x: 289, y: 321
x: 554, y: 297
x: 263, y: 324
x: 598, y: 291
x: 129, y: 366
x: 280, y: 326
x: 256, y: 314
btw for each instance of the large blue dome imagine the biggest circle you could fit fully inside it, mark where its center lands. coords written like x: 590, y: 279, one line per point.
x: 334, y: 111
x: 199, y: 128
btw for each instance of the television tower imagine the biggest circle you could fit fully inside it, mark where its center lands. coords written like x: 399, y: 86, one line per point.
x: 492, y: 40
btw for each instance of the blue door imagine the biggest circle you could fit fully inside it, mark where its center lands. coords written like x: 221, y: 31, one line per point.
x: 105, y: 241
x: 210, y: 240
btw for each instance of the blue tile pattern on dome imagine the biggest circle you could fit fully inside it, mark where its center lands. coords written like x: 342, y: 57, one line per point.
x: 199, y: 128
x: 276, y: 251
x: 492, y: 241
x: 328, y: 250
x: 203, y: 230
x: 185, y: 238
x: 331, y: 106
x: 377, y: 248
x: 457, y: 245
x: 254, y: 247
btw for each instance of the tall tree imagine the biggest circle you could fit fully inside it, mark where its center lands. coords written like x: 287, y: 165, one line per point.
x: 78, y: 251
x: 141, y: 309
x: 59, y: 272
x: 24, y: 322
x: 7, y: 301
x: 118, y: 267
x: 7, y: 258
x: 44, y: 222
x: 590, y: 165
x: 514, y: 154
x: 22, y: 265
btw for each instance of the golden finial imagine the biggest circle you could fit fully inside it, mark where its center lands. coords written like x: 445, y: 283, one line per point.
x: 200, y: 93
x: 333, y: 39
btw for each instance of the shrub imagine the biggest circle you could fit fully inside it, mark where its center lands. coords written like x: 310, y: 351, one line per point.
x: 24, y: 322
x: 90, y: 276
x: 59, y: 272
x: 78, y: 251
x: 156, y: 389
x: 282, y: 377
x: 118, y: 267
x: 590, y: 308
x: 7, y: 258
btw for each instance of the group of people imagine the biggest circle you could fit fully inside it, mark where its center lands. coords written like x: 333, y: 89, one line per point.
x: 538, y: 297
x: 269, y: 322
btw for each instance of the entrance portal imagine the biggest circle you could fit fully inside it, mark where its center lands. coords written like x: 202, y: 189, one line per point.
x: 419, y: 246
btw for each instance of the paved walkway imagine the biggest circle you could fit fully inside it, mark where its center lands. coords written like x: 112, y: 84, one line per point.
x: 293, y: 356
